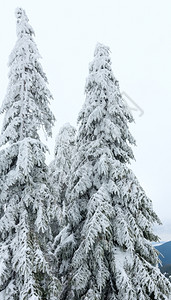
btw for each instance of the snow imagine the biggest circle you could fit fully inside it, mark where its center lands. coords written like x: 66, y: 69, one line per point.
x: 82, y: 227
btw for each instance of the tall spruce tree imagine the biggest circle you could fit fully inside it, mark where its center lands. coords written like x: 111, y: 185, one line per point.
x: 25, y: 197
x: 107, y: 244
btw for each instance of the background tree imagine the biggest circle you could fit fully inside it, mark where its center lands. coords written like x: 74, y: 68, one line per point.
x: 59, y: 168
x: 107, y: 244
x: 59, y: 172
x: 25, y: 197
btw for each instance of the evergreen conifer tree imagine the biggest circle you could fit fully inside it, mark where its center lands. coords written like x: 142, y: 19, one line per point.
x: 59, y: 169
x: 59, y: 173
x: 25, y: 197
x: 107, y: 244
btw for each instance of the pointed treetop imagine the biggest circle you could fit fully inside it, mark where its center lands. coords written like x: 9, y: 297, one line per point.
x: 26, y: 103
x: 22, y: 23
x: 101, y: 61
x: 101, y: 50
x: 65, y: 136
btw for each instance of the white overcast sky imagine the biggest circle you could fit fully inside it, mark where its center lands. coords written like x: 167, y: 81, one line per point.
x: 139, y: 36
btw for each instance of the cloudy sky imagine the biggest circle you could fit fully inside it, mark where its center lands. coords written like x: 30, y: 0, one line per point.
x: 139, y: 36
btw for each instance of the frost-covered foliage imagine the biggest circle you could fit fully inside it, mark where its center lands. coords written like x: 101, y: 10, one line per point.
x: 25, y: 197
x: 107, y: 251
x: 59, y: 172
x: 59, y: 169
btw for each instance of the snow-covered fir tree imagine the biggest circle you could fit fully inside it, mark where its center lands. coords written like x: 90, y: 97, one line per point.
x: 59, y: 172
x: 105, y: 251
x: 25, y: 198
x: 59, y: 169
